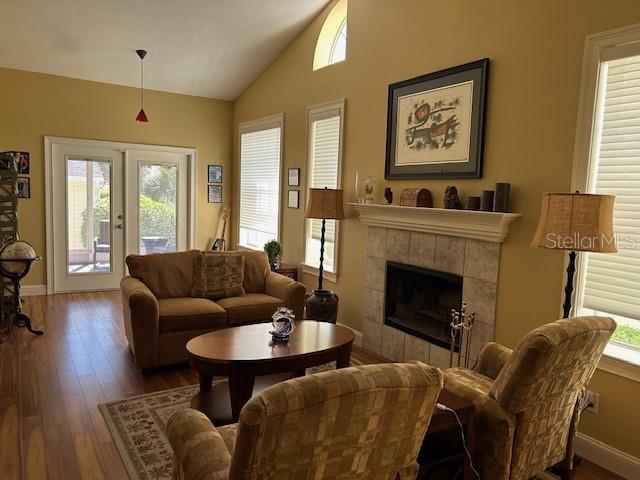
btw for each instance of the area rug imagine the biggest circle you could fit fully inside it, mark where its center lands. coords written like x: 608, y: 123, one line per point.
x: 137, y: 425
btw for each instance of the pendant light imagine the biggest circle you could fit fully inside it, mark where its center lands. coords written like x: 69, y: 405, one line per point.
x: 142, y: 117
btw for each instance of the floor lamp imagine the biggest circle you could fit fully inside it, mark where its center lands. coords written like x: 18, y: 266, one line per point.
x: 324, y: 204
x: 575, y: 222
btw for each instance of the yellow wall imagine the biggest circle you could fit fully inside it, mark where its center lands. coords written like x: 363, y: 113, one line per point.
x: 536, y: 51
x: 33, y: 105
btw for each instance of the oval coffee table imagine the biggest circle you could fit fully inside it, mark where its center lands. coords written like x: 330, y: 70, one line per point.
x: 246, y: 352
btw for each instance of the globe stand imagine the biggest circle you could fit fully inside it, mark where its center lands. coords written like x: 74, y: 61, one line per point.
x: 19, y: 318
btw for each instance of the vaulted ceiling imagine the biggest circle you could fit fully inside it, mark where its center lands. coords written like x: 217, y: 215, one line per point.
x: 209, y: 48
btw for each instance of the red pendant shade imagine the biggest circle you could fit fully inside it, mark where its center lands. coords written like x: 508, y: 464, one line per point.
x: 142, y: 117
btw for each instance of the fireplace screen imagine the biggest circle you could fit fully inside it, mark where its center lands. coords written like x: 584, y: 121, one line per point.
x: 419, y: 301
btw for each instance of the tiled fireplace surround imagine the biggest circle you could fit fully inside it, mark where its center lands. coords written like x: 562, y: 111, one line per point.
x: 477, y: 261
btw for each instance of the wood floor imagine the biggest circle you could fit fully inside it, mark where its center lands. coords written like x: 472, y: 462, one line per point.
x: 51, y: 386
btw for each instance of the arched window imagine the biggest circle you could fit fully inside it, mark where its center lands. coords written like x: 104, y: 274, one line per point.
x: 332, y: 42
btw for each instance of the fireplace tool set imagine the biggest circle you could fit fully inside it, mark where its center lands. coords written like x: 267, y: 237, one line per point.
x: 462, y: 328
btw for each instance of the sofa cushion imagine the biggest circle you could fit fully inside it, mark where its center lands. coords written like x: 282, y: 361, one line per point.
x: 256, y: 269
x: 179, y: 314
x: 218, y: 276
x: 251, y: 308
x: 168, y: 275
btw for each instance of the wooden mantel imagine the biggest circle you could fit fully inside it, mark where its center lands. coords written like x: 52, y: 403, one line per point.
x: 489, y: 226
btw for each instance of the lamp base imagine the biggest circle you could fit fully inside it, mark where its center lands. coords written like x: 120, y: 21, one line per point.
x: 322, y: 305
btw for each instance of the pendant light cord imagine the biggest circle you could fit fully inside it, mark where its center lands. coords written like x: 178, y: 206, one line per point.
x: 141, y: 83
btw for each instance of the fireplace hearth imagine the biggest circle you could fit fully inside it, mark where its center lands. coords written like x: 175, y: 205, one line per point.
x: 419, y: 301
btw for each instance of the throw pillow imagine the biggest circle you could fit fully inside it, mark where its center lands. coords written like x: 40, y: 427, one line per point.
x: 218, y: 276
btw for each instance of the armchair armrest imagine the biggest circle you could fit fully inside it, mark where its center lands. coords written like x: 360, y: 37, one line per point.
x: 200, y: 451
x: 141, y: 320
x: 292, y: 293
x: 492, y: 358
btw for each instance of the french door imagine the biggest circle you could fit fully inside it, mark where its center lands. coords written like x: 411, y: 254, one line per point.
x: 107, y: 203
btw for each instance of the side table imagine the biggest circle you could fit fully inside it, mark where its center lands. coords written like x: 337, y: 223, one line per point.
x: 442, y: 455
x: 287, y: 270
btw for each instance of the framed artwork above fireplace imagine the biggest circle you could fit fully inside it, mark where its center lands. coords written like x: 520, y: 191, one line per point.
x: 435, y: 124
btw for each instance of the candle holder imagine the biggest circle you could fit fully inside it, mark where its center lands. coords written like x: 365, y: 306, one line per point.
x: 461, y: 327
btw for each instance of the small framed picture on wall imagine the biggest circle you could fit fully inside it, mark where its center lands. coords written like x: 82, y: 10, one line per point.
x: 294, y: 199
x: 214, y: 193
x: 214, y: 174
x: 23, y: 187
x: 294, y: 177
x: 18, y: 160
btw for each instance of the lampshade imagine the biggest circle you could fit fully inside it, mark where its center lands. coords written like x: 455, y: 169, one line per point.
x: 576, y: 222
x: 324, y: 203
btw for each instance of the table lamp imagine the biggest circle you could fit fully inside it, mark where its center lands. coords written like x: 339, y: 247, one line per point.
x: 575, y: 222
x: 324, y: 204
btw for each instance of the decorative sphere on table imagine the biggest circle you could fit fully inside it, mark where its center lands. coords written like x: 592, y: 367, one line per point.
x: 15, y: 250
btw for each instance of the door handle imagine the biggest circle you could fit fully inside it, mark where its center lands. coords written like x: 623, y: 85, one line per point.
x: 120, y: 226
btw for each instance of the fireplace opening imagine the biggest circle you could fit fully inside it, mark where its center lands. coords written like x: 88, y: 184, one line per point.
x: 419, y: 301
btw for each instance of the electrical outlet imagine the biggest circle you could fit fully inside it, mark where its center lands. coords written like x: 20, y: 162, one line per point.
x: 593, y: 401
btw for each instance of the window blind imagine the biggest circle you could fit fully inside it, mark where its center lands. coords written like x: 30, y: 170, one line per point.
x: 260, y: 184
x: 324, y: 157
x: 611, y: 281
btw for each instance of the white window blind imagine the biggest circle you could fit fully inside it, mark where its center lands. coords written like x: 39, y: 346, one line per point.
x: 324, y: 168
x: 259, y: 186
x: 325, y: 144
x: 611, y: 281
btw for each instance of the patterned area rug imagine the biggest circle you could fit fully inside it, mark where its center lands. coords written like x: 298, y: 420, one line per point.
x: 137, y: 425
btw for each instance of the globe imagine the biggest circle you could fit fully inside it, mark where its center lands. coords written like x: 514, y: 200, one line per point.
x: 16, y: 250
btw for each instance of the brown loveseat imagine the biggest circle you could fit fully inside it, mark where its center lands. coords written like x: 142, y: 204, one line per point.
x: 160, y: 315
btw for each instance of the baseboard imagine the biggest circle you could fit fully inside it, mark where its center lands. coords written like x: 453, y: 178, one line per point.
x: 31, y: 290
x: 358, y: 340
x: 612, y: 459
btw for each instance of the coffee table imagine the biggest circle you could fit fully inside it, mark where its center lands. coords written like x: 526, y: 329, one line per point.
x: 246, y: 352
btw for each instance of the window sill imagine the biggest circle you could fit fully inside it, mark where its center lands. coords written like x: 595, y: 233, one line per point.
x: 621, y: 361
x: 331, y: 276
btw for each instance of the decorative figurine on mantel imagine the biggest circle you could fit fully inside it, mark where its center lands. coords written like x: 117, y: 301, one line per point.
x: 462, y: 327
x: 283, y: 324
x: 16, y: 258
x: 369, y: 187
x: 388, y: 195
x: 451, y: 199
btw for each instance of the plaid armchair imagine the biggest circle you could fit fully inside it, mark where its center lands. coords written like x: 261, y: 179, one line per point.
x: 356, y: 423
x: 528, y: 401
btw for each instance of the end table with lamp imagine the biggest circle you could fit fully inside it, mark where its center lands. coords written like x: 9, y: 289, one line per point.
x: 16, y: 258
x: 324, y: 204
x: 575, y: 222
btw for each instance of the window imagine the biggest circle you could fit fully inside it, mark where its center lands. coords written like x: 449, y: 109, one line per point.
x: 339, y: 50
x: 259, y: 192
x: 608, y: 283
x: 331, y: 46
x: 323, y: 170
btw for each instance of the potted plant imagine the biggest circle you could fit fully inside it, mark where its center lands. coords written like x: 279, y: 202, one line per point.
x: 274, y: 252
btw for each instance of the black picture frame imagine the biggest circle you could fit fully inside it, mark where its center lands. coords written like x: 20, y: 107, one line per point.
x: 293, y: 199
x: 422, y: 167
x: 293, y: 177
x: 214, y: 193
x: 21, y: 161
x: 214, y: 174
x: 23, y: 187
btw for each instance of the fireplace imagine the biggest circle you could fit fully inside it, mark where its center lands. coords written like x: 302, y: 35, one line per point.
x: 419, y: 301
